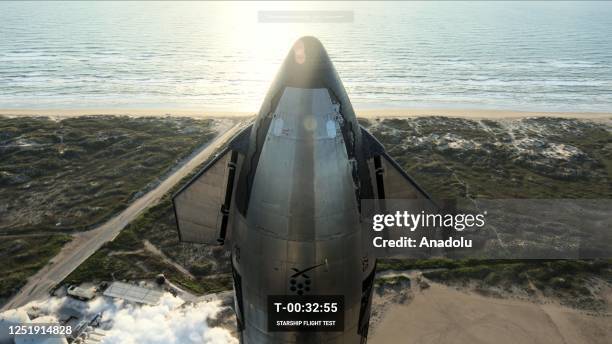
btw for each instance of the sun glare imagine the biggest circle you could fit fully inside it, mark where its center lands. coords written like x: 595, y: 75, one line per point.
x: 263, y: 45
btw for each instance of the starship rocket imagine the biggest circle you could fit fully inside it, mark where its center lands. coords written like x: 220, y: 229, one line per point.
x: 284, y: 197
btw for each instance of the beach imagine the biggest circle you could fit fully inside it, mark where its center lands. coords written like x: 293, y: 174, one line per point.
x: 395, y: 54
x: 363, y: 113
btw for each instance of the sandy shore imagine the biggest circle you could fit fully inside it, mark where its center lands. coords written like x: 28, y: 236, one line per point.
x: 479, y: 113
x: 367, y: 113
x: 124, y: 112
x: 444, y: 315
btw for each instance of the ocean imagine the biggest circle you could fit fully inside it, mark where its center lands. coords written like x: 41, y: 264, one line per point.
x: 543, y: 56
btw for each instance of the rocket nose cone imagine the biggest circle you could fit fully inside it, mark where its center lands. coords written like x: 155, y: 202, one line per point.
x: 309, y: 51
x: 307, y: 64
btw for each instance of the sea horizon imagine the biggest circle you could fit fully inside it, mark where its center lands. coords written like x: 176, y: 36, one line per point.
x: 514, y: 56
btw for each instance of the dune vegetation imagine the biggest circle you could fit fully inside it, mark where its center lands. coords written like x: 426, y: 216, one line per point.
x: 447, y: 157
x: 523, y: 158
x: 59, y: 177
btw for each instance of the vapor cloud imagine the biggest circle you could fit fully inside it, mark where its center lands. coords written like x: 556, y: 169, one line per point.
x: 169, y: 322
x: 164, y: 323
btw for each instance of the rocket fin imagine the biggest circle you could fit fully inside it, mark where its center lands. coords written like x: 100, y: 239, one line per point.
x: 392, y: 182
x: 202, y: 206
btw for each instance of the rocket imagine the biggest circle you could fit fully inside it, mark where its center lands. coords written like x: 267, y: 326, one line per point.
x: 284, y: 197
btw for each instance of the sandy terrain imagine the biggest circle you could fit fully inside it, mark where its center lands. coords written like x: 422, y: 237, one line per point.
x: 367, y: 113
x: 441, y: 314
x: 478, y: 113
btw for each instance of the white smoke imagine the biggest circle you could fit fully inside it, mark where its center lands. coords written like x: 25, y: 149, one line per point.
x: 169, y: 322
x: 164, y: 323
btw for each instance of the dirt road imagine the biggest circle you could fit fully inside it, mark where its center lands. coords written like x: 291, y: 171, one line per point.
x: 87, y: 243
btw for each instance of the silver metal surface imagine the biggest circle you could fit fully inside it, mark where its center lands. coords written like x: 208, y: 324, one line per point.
x: 197, y: 205
x: 133, y: 293
x: 296, y: 201
x: 304, y: 212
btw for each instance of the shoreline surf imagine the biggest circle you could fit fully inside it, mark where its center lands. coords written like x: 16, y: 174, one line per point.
x: 364, y: 113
